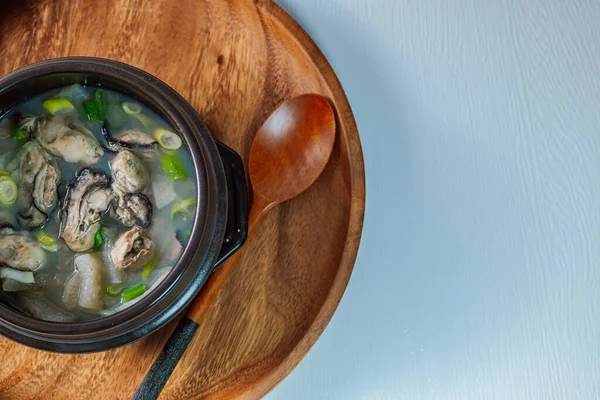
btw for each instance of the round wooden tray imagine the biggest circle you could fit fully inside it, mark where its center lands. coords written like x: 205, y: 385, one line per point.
x: 234, y: 61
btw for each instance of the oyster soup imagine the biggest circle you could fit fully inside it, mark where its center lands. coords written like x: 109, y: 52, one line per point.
x: 97, y: 201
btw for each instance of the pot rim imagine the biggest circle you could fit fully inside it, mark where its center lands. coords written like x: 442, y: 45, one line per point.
x: 195, y: 264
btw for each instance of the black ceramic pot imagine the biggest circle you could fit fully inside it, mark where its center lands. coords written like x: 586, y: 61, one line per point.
x: 220, y: 226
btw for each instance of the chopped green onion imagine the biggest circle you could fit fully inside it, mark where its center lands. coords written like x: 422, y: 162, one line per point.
x: 8, y: 190
x: 167, y: 139
x: 133, y: 292
x: 149, y: 267
x: 18, y: 134
x: 4, y: 173
x: 183, y: 208
x: 113, y: 291
x: 47, y: 242
x: 174, y: 166
x: 55, y: 106
x: 98, y: 238
x: 91, y: 110
x: 131, y: 108
x: 44, y: 238
x: 183, y: 236
x: 102, y: 103
x: 53, y: 248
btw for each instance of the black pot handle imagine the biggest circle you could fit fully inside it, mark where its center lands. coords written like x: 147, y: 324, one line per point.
x: 236, y: 231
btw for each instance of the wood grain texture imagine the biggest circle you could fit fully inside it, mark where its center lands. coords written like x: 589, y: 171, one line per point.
x: 234, y: 61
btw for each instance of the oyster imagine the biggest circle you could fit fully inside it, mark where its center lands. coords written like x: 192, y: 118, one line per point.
x: 130, y: 178
x: 87, y: 199
x: 40, y: 177
x: 22, y: 253
x: 132, y: 209
x: 64, y: 137
x: 128, y: 173
x: 133, y: 140
x: 133, y: 249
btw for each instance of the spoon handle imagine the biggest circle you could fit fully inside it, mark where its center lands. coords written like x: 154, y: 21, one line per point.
x: 175, y: 347
x: 197, y: 311
x: 167, y: 360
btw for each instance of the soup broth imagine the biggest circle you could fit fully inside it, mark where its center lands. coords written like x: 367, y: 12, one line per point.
x: 97, y: 200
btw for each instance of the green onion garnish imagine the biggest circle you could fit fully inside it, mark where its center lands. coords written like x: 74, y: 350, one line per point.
x: 8, y: 190
x: 44, y: 238
x: 113, y: 291
x: 101, y: 99
x: 56, y: 106
x: 149, y: 267
x: 183, y: 208
x: 18, y: 134
x: 174, y: 167
x: 91, y: 110
x: 98, y: 238
x: 133, y: 292
x: 131, y: 108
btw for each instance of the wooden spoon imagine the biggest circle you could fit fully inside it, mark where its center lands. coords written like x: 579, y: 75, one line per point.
x: 288, y: 154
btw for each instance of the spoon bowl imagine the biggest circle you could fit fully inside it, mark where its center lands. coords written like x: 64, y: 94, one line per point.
x: 291, y: 149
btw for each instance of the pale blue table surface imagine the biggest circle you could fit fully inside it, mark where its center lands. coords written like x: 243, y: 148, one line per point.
x: 478, y: 275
